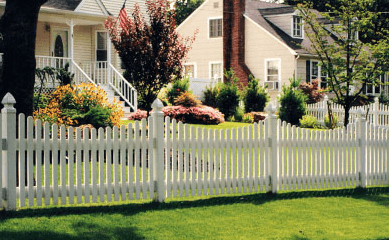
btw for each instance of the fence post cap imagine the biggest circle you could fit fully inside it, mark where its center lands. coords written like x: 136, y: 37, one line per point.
x: 360, y: 112
x: 157, y: 105
x: 271, y: 109
x: 8, y: 100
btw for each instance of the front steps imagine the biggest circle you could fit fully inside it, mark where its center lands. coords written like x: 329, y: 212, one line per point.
x: 111, y: 94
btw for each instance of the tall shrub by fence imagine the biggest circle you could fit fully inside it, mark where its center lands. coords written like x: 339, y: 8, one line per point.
x: 160, y: 158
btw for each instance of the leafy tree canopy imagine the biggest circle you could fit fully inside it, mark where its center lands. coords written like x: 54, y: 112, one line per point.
x: 151, y: 50
x: 351, y: 64
x: 184, y: 8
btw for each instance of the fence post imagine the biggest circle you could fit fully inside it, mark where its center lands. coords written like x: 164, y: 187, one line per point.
x: 272, y: 133
x: 375, y: 111
x: 362, y: 156
x: 158, y: 159
x: 9, y: 151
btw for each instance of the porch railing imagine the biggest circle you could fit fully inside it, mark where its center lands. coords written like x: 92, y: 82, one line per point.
x: 122, y: 87
x: 58, y: 62
x: 97, y: 71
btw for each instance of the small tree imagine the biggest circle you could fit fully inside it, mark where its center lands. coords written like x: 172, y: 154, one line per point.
x: 351, y: 65
x: 151, y: 50
x: 313, y: 91
x: 292, y: 102
x: 228, y: 97
x: 255, y: 96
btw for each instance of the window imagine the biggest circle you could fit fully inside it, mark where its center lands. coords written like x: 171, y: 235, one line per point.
x: 101, y: 46
x: 216, y: 72
x: 314, y: 71
x: 215, y: 28
x: 297, y: 27
x: 376, y: 90
x: 189, y: 70
x: 272, y: 73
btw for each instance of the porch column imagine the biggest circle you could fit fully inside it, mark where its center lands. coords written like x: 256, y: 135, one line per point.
x: 71, y: 45
x: 109, y: 60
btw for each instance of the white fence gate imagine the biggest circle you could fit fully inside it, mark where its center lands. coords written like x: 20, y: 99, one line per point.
x: 160, y: 158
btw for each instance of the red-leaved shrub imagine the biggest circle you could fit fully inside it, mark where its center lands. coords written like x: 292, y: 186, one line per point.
x: 138, y: 115
x: 197, y: 115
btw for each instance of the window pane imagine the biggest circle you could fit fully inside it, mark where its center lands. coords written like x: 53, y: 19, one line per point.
x: 272, y: 70
x: 189, y: 70
x: 315, y: 70
x: 215, y: 28
x: 101, y: 41
x: 216, y: 70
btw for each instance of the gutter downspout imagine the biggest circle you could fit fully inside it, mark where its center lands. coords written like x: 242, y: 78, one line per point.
x: 296, y: 57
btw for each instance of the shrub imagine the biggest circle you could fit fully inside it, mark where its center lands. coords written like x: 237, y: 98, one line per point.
x: 138, y: 115
x: 238, y: 116
x: 248, y: 118
x: 312, y: 91
x: 255, y: 96
x: 333, y: 123
x: 186, y: 99
x: 79, y: 105
x: 292, y: 102
x: 178, y: 86
x: 196, y: 115
x: 383, y: 98
x: 210, y: 96
x: 228, y: 99
x: 309, y: 121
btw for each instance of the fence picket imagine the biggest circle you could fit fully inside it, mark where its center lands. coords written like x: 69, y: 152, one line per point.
x: 199, y: 157
x: 123, y: 162
x: 94, y: 164
x: 210, y: 161
x: 143, y: 158
x: 168, y: 157
x: 217, y: 162
x: 54, y: 136
x: 71, y: 164
x: 180, y: 158
x: 62, y: 160
x: 174, y: 156
x: 78, y: 166
x: 137, y: 160
x: 130, y: 160
x: 22, y: 161
x: 193, y: 146
x: 30, y: 159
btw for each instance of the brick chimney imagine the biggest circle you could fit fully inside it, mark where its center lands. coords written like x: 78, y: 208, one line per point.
x: 234, y: 39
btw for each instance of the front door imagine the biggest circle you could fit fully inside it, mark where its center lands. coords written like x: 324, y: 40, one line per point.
x: 59, y: 46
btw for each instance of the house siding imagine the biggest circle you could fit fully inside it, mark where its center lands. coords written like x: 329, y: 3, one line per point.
x: 42, y: 45
x: 204, y: 50
x: 261, y: 46
x: 90, y: 6
x: 82, y: 44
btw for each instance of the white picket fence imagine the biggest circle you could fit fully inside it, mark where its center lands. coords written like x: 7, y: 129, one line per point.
x: 377, y: 113
x: 160, y: 158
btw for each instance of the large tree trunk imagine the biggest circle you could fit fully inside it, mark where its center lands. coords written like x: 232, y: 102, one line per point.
x: 18, y: 28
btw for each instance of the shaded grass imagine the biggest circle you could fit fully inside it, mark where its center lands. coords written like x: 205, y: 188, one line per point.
x: 331, y: 214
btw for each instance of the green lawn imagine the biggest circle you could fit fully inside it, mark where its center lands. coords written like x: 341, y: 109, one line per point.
x: 332, y: 214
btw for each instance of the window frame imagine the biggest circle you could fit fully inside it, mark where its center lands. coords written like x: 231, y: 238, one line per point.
x: 319, y: 76
x: 297, y: 27
x: 194, y: 68
x: 220, y: 78
x: 278, y: 81
x: 96, y: 45
x: 209, y: 27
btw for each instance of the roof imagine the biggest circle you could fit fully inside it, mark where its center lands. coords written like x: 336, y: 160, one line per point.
x: 258, y: 11
x: 69, y: 5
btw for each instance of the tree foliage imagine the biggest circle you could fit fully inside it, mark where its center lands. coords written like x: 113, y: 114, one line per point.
x: 379, y: 23
x: 351, y: 64
x: 292, y: 101
x: 150, y: 48
x: 184, y: 8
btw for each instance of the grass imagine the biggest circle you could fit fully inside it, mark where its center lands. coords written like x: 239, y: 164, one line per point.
x: 331, y: 214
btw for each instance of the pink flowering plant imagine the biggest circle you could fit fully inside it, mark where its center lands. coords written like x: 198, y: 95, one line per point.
x: 197, y: 115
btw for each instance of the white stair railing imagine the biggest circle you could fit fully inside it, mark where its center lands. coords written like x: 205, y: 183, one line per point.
x: 97, y: 71
x: 122, y: 87
x: 79, y: 75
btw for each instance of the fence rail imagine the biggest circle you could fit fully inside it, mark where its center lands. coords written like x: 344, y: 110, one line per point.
x: 377, y: 113
x: 161, y: 158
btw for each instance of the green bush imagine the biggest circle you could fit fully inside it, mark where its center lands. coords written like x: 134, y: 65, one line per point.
x: 186, y: 99
x: 178, y: 86
x: 238, y: 116
x: 228, y: 97
x: 255, y: 96
x: 334, y: 122
x: 309, y: 121
x: 210, y: 96
x: 383, y: 98
x: 292, y: 102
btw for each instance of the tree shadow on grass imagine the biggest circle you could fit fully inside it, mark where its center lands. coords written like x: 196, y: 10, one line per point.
x: 374, y: 194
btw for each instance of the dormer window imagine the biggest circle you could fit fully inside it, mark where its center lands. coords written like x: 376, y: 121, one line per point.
x: 297, y: 27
